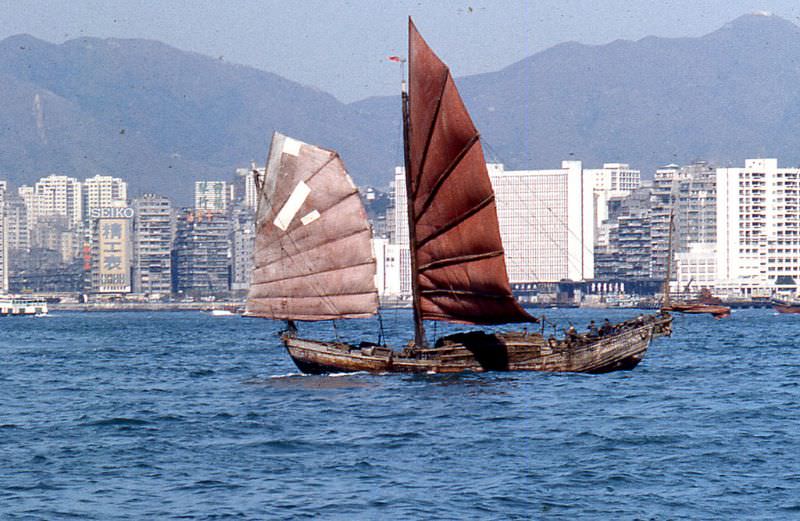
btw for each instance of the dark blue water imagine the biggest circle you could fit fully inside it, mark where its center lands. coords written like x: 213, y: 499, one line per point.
x: 186, y: 416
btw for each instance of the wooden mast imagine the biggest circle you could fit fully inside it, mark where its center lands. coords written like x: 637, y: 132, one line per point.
x: 667, y: 302
x: 419, y: 327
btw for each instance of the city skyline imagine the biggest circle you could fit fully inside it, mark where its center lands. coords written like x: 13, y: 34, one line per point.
x: 576, y: 223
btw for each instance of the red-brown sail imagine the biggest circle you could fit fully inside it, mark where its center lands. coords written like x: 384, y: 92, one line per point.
x: 313, y: 258
x: 460, y: 264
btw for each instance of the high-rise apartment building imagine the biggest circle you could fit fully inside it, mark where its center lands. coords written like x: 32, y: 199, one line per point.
x: 627, y: 255
x: 243, y: 231
x: 153, y: 230
x: 387, y: 268
x: 55, y: 195
x: 16, y: 215
x: 55, y: 214
x: 28, y: 195
x: 689, y: 194
x: 613, y: 181
x: 3, y: 240
x: 201, y: 253
x: 758, y: 227
x: 103, y: 191
x: 246, y: 190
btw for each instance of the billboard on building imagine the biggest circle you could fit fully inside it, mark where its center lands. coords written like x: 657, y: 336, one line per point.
x: 114, y: 252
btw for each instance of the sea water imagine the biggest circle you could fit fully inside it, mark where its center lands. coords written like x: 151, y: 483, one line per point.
x: 107, y: 416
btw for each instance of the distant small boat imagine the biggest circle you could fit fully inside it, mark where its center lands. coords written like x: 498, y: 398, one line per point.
x: 694, y: 308
x: 786, y: 306
x: 221, y: 313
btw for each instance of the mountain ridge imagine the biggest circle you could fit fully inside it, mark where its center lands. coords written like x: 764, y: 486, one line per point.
x: 162, y: 117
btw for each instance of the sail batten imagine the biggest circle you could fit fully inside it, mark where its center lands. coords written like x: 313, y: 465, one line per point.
x: 445, y: 227
x: 442, y: 178
x: 301, y: 275
x: 458, y: 260
x: 458, y: 263
x: 463, y: 292
x: 436, y: 112
x: 313, y: 256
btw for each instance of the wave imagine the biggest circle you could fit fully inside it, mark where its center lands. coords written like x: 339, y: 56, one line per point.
x: 116, y: 422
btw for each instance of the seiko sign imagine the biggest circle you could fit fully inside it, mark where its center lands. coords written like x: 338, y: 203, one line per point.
x: 111, y: 213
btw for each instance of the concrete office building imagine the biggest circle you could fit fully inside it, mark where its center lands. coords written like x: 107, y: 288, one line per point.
x: 546, y: 217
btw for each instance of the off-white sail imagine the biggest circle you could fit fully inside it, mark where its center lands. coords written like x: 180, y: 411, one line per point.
x: 313, y: 256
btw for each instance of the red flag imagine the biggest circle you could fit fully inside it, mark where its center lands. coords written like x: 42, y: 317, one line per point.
x: 395, y: 59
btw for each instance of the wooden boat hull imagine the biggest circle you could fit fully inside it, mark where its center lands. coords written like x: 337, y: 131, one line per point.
x: 786, y: 308
x: 696, y: 309
x: 479, y: 351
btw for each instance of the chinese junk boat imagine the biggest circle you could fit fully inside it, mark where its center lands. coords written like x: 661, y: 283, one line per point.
x: 690, y: 308
x: 313, y: 258
x: 705, y: 303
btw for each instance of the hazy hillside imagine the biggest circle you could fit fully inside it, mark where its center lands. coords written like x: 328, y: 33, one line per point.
x: 158, y: 116
x: 161, y: 117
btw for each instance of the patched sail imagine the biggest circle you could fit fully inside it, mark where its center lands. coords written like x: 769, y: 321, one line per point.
x: 459, y: 259
x: 313, y: 258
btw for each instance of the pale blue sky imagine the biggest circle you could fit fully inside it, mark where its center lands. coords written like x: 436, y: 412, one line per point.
x: 341, y: 46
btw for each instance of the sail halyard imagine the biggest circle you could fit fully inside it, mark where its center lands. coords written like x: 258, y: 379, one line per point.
x: 313, y: 257
x: 457, y: 257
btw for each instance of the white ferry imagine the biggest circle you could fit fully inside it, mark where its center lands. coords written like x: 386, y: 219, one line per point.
x: 11, y: 306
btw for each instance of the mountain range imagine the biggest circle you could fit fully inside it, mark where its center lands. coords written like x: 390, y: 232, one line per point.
x: 162, y: 118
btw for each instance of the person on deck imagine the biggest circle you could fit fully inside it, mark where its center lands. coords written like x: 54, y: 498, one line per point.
x: 572, y: 334
x: 607, y: 328
x: 593, y: 333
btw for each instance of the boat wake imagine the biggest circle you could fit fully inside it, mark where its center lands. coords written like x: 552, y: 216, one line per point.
x: 324, y: 375
x: 339, y: 375
x: 312, y: 381
x: 288, y: 375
